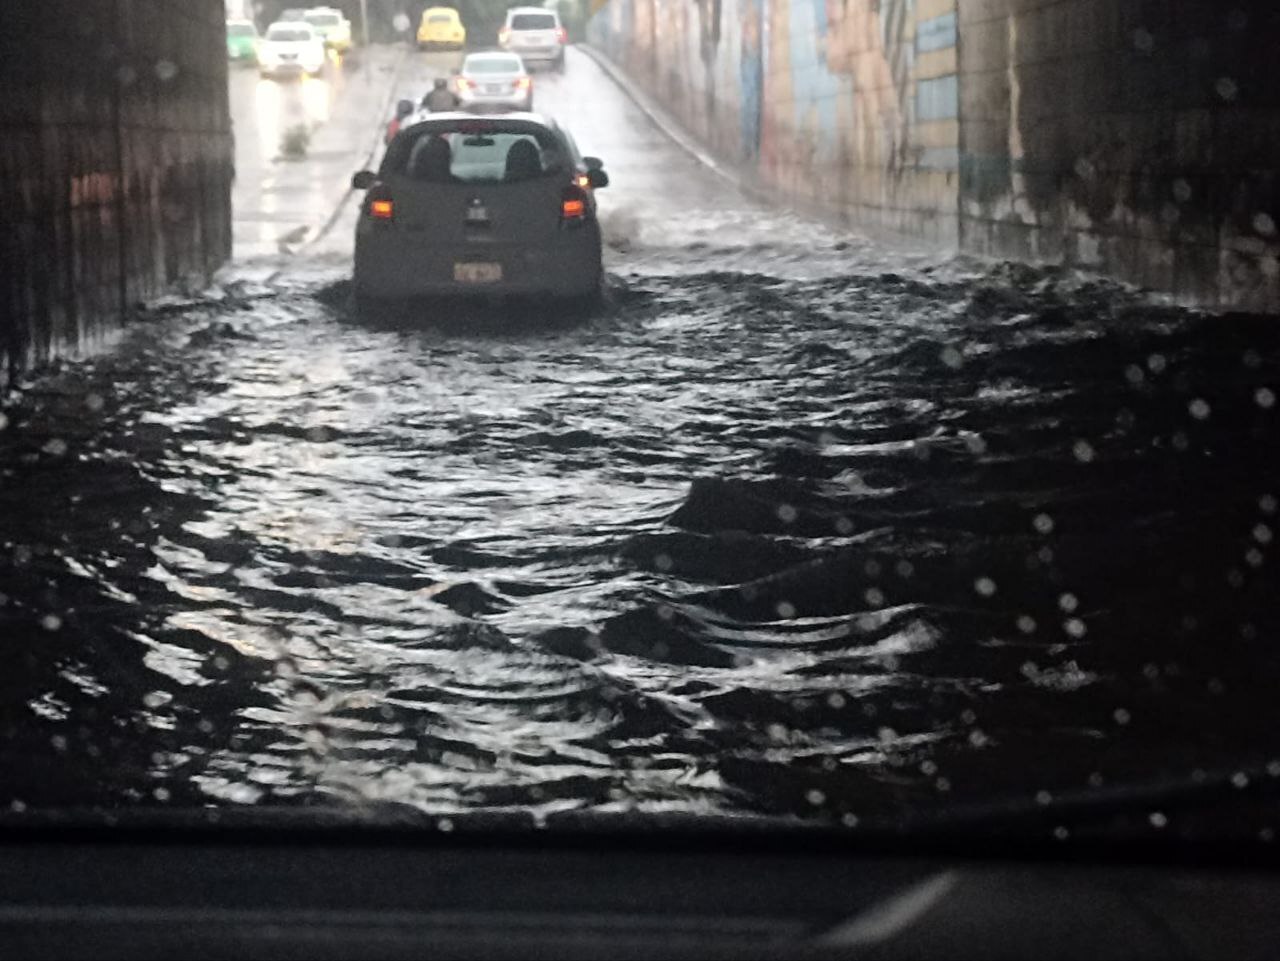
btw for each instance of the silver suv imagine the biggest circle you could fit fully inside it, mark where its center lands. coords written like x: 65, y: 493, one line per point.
x: 536, y: 34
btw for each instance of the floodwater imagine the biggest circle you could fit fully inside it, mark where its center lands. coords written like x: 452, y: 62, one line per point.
x: 794, y: 526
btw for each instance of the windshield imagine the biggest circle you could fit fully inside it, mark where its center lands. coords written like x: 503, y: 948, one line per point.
x: 533, y: 21
x: 289, y: 35
x: 493, y: 65
x: 478, y: 153
x: 851, y: 417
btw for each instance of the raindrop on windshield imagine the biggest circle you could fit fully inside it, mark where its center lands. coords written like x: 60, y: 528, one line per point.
x: 985, y: 586
x: 1083, y: 451
x: 1265, y: 398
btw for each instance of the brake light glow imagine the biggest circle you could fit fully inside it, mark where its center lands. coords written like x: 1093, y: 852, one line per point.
x: 574, y: 209
x: 504, y: 35
x: 465, y: 83
x: 382, y: 209
x: 523, y: 83
x: 583, y: 181
x: 562, y: 35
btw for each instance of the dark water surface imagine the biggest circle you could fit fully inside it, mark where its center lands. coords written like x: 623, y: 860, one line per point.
x: 816, y: 542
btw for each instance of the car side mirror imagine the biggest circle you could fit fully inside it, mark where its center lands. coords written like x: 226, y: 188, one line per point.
x: 364, y: 180
x: 593, y: 163
x: 598, y: 178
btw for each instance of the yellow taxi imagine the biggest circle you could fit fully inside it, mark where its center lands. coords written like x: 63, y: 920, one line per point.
x: 441, y: 27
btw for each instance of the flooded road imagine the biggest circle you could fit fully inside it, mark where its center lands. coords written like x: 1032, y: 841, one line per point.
x: 796, y: 526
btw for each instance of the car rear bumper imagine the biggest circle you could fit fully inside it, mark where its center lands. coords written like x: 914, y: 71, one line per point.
x: 480, y: 103
x: 389, y: 266
x: 538, y: 54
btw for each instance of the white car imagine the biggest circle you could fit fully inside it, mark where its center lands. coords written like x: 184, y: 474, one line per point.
x: 333, y: 27
x: 535, y: 33
x: 493, y: 81
x: 291, y: 49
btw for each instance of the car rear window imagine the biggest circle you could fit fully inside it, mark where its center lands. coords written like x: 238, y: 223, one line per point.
x: 241, y: 30
x: 440, y: 18
x: 323, y: 19
x: 533, y: 21
x: 493, y: 65
x: 478, y: 154
x: 288, y: 34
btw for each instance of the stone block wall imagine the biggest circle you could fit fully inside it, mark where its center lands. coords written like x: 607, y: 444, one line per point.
x: 115, y: 165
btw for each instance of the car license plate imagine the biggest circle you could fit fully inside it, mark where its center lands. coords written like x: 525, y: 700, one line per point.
x: 493, y: 88
x: 477, y: 215
x: 467, y: 273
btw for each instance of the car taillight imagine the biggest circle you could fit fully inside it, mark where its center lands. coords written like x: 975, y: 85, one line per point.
x: 504, y: 35
x: 573, y: 206
x: 562, y: 35
x: 523, y: 83
x: 465, y: 84
x: 583, y: 181
x: 381, y: 207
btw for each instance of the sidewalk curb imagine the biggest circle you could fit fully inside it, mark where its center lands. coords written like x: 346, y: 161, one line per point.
x: 375, y: 140
x: 668, y: 125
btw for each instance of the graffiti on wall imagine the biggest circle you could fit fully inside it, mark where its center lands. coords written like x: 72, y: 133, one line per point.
x: 843, y: 98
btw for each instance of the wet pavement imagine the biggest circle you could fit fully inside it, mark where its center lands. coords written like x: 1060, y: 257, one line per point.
x: 797, y: 525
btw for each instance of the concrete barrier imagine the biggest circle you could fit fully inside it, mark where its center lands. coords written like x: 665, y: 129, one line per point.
x: 115, y: 165
x: 1135, y: 137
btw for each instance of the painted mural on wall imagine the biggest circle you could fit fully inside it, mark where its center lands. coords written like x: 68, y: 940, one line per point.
x: 801, y: 92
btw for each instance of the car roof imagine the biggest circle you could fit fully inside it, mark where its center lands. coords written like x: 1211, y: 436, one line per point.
x: 513, y: 10
x: 426, y: 116
x: 452, y: 10
x: 292, y: 25
x: 492, y: 55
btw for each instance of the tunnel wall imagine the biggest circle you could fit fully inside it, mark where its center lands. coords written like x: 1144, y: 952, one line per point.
x: 1136, y: 137
x: 115, y: 165
x: 844, y: 107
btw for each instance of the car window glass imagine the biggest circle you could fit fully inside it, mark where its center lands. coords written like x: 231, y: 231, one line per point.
x: 493, y: 65
x: 287, y: 35
x: 476, y: 157
x: 533, y: 21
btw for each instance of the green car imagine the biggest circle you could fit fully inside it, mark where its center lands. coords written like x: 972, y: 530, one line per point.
x: 242, y: 41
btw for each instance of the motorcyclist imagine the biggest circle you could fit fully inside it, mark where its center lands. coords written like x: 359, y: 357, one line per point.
x: 440, y: 97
